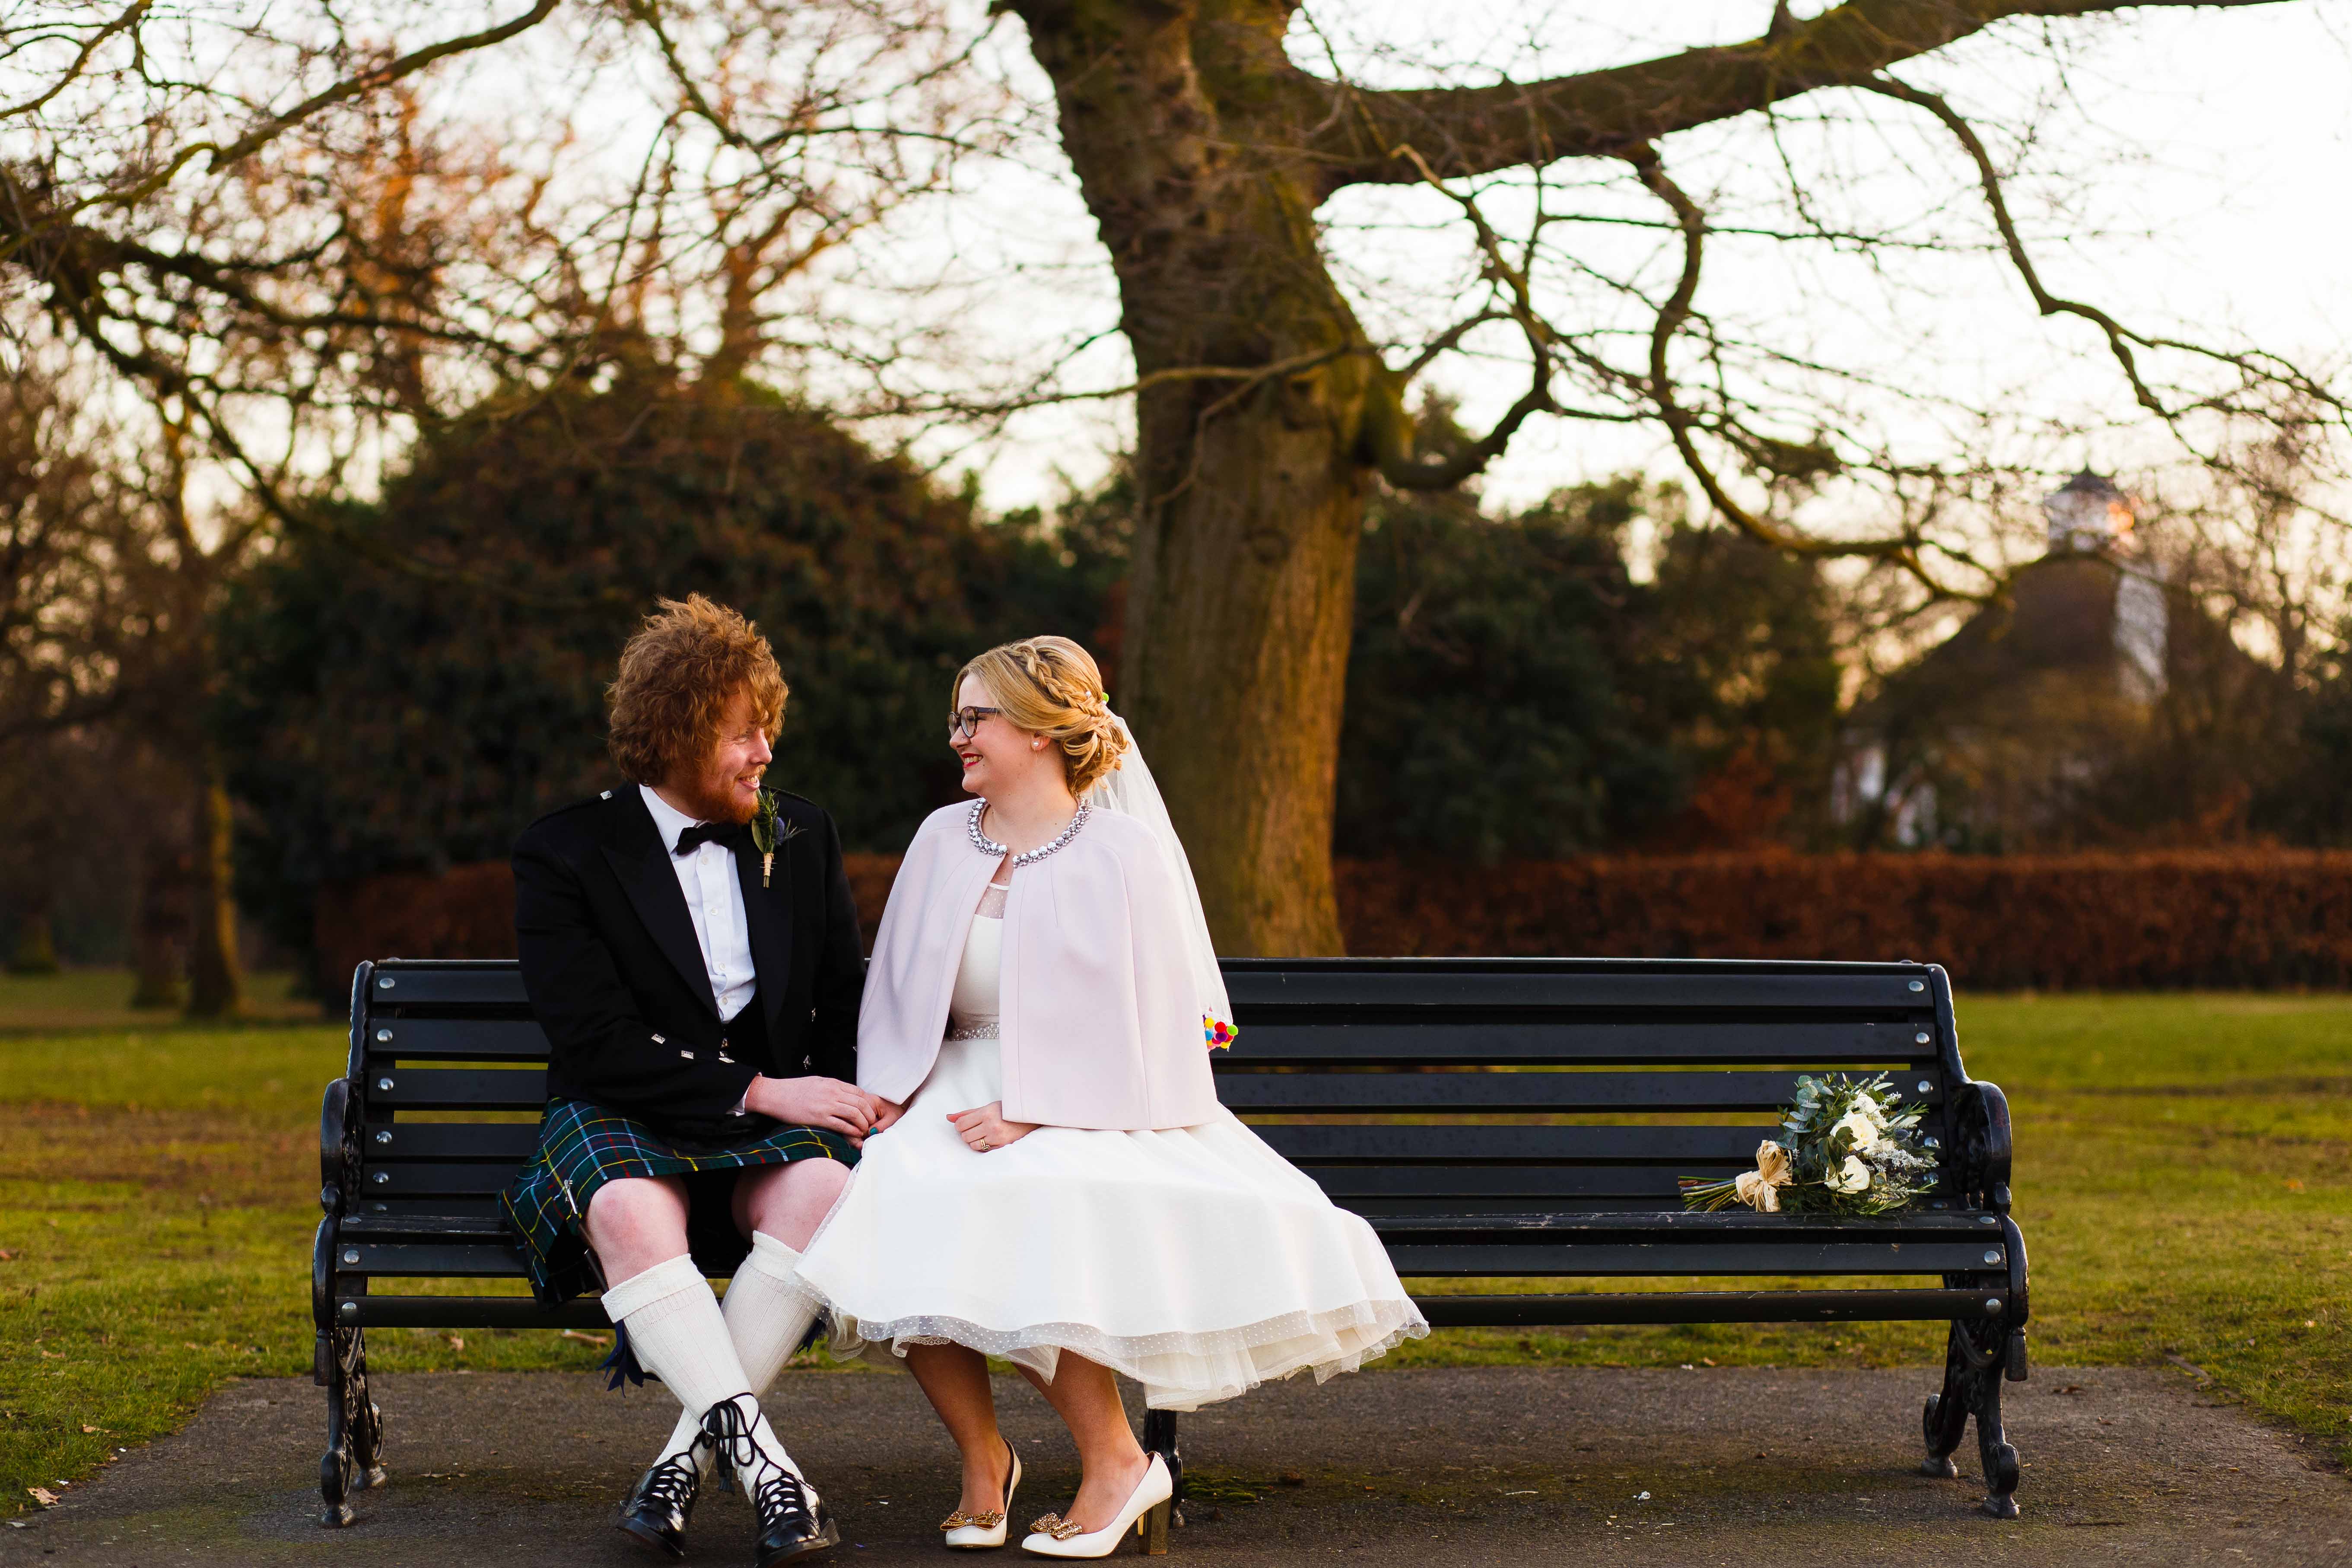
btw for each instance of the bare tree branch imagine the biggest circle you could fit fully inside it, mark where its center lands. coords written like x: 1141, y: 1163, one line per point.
x: 1902, y: 550
x: 2121, y: 339
x: 1612, y: 112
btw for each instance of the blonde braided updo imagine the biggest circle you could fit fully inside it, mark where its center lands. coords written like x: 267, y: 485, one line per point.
x: 1052, y: 687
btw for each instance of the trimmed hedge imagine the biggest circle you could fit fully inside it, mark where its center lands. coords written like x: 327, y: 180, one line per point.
x: 2253, y: 919
x: 469, y: 913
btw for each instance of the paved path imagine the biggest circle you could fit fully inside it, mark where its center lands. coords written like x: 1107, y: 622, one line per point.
x: 1480, y: 1465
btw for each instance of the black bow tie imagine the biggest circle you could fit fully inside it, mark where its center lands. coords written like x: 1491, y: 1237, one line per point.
x: 703, y: 833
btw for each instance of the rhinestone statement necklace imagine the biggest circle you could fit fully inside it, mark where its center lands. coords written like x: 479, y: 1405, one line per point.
x: 991, y: 848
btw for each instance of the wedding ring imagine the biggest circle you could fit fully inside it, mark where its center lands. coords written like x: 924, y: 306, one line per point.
x: 984, y: 1146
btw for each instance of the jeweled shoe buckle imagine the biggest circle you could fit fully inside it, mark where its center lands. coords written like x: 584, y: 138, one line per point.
x: 1054, y: 1525
x: 963, y: 1521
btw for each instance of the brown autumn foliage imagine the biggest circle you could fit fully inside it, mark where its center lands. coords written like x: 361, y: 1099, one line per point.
x: 2257, y: 919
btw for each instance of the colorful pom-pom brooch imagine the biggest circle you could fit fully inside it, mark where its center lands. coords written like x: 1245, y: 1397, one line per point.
x: 1218, y: 1033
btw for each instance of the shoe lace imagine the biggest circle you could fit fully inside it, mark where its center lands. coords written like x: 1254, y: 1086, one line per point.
x: 776, y: 1492
x: 672, y: 1483
x: 729, y: 1431
x: 780, y: 1492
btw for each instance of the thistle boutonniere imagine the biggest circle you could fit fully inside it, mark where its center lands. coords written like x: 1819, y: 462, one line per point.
x: 768, y: 830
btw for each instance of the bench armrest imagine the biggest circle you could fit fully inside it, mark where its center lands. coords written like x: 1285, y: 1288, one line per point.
x: 1981, y: 1145
x: 339, y: 1147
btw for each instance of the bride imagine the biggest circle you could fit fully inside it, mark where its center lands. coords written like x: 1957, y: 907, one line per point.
x: 1062, y: 1188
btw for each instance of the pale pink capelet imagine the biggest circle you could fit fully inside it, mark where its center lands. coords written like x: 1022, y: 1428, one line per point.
x: 1101, y: 1026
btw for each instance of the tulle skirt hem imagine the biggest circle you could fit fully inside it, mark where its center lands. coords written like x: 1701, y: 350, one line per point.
x: 1178, y: 1371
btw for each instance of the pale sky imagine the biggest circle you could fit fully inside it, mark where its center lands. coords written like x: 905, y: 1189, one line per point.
x: 2195, y: 179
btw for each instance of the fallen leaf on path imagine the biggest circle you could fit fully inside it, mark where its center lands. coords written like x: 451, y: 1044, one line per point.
x: 599, y: 1341
x: 88, y: 1427
x: 457, y: 1341
x: 43, y: 1495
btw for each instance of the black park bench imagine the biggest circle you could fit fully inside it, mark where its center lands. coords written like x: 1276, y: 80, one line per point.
x: 1520, y: 1119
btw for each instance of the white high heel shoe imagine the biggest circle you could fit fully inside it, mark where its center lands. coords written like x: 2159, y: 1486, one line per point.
x: 1145, y: 1514
x: 982, y: 1532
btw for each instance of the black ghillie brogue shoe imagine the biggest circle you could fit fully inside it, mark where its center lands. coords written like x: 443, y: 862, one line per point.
x: 793, y: 1521
x: 662, y: 1502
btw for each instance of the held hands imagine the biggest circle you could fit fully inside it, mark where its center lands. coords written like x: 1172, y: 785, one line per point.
x: 984, y: 1128
x: 825, y: 1102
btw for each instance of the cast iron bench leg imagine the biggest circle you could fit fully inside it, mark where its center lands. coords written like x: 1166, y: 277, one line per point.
x: 354, y: 1428
x: 1974, y: 1360
x: 1159, y: 1438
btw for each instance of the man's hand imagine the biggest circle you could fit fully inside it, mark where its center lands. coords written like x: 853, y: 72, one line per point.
x: 983, y: 1127
x: 825, y: 1102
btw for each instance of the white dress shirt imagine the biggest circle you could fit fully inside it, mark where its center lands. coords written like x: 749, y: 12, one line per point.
x: 714, y: 898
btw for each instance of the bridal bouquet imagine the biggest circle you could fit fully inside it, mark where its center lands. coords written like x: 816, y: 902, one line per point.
x: 1847, y: 1146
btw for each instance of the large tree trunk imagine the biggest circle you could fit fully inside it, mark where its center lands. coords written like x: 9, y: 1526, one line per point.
x: 36, y: 948
x: 216, y: 982
x: 1236, y: 656
x: 1252, y: 485
x: 160, y: 932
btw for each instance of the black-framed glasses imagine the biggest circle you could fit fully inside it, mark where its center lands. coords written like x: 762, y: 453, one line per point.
x: 965, y: 721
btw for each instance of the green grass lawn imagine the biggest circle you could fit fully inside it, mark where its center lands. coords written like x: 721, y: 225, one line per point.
x: 2181, y: 1178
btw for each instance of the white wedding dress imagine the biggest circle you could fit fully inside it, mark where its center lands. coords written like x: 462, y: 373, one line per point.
x: 1195, y: 1260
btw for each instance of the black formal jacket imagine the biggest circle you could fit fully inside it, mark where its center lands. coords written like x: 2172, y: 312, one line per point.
x: 618, y: 982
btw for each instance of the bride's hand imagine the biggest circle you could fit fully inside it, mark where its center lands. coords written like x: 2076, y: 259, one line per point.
x: 983, y: 1127
x: 885, y: 1111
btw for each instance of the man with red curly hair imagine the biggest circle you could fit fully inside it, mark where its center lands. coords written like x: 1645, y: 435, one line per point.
x: 698, y: 984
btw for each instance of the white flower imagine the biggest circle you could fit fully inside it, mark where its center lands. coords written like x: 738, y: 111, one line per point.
x: 1853, y: 1176
x: 1861, y: 1131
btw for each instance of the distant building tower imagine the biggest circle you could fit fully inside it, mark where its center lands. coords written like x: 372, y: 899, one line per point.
x: 2002, y: 734
x: 2088, y: 515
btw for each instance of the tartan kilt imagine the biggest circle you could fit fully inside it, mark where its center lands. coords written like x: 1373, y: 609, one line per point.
x: 583, y: 1146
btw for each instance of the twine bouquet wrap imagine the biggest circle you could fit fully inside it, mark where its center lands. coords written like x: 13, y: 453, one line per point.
x: 1847, y: 1146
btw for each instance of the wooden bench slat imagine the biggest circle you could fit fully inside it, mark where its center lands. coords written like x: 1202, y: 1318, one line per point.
x: 423, y: 1211
x: 460, y: 1228
x: 1689, y: 1258
x: 1707, y: 1307
x: 1544, y: 1185
x: 485, y: 984
x: 1732, y: 987
x: 482, y: 1260
x: 1507, y: 1092
x: 457, y: 1089
x: 1836, y: 1044
x: 472, y: 1312
x: 508, y: 1142
x: 1679, y: 1223
x: 392, y: 1040
x: 453, y: 1178
x: 1390, y: 1143
x: 1531, y: 1311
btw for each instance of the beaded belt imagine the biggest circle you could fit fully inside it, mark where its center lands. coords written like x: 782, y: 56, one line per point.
x: 976, y: 1032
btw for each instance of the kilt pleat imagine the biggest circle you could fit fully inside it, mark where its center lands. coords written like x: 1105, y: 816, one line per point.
x: 582, y: 1146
